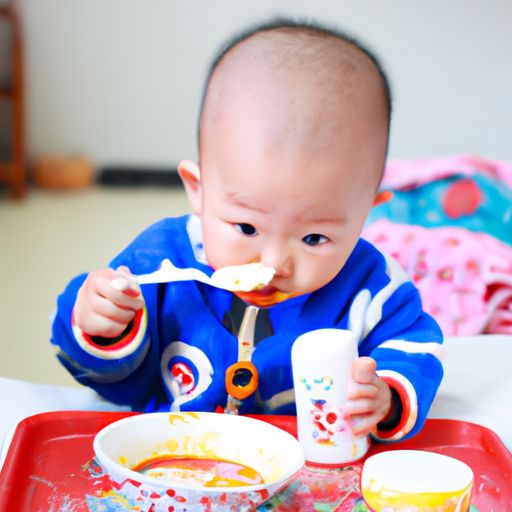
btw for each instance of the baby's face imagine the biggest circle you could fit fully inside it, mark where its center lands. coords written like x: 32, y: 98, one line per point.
x: 290, y: 165
x: 298, y: 212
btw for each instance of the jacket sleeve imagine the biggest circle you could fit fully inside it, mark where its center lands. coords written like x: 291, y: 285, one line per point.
x: 120, y: 369
x: 405, y: 342
x: 112, y: 367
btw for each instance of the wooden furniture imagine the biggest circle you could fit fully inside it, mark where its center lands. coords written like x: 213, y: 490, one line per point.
x: 13, y: 170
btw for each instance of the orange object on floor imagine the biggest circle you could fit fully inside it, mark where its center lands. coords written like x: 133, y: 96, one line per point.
x: 63, y: 173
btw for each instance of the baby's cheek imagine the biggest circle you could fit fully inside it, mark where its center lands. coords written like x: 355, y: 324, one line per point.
x: 309, y: 278
x: 226, y: 251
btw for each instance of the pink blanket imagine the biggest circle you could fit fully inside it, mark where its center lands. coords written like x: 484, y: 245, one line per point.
x: 464, y: 277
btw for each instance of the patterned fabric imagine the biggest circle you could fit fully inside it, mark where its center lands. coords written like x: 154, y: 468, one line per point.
x: 464, y: 278
x: 180, y: 354
x: 449, y: 224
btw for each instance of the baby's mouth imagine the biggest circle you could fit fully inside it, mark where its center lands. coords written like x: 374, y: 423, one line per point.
x: 267, y: 290
x: 267, y: 296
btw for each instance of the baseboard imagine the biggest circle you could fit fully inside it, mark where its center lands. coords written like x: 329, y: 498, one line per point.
x: 114, y: 176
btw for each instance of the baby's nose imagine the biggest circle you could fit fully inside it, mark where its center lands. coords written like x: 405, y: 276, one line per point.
x: 278, y: 258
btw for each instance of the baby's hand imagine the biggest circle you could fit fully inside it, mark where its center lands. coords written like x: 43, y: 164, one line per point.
x: 369, y: 397
x: 107, y: 302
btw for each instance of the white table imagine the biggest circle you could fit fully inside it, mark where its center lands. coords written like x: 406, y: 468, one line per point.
x: 477, y: 387
x: 19, y: 399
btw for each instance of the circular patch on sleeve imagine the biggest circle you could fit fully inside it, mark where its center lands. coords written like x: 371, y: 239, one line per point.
x: 186, y: 372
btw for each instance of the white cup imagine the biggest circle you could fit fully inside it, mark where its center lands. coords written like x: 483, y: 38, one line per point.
x: 321, y: 362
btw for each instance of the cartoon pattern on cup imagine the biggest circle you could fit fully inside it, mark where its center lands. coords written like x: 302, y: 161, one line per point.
x: 321, y: 363
x: 326, y: 416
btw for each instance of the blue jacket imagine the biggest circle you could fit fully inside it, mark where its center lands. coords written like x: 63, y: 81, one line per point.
x: 175, y: 353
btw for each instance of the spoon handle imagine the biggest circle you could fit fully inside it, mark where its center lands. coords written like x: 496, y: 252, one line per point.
x: 169, y: 272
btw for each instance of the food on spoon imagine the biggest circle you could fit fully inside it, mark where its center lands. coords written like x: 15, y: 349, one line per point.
x: 236, y: 278
x: 250, y: 277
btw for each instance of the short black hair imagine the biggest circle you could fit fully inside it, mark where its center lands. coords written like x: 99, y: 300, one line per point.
x: 301, y: 25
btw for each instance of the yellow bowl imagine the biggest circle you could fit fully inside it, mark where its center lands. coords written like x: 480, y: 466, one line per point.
x: 413, y: 480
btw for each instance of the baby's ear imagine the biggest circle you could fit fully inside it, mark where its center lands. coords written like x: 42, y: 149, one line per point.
x: 191, y: 177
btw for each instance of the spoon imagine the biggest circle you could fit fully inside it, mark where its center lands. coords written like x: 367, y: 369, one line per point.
x: 235, y: 278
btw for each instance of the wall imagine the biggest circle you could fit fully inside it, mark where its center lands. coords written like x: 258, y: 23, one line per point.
x: 120, y: 80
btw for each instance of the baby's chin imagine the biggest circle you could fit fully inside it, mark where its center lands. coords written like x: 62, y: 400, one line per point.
x: 263, y: 299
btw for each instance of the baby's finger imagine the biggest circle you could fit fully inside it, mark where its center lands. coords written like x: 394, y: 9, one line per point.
x: 105, y: 308
x: 127, y: 286
x: 98, y: 325
x: 358, y: 407
x: 125, y: 270
x: 363, y: 370
x: 362, y: 424
x: 120, y: 298
x: 356, y: 391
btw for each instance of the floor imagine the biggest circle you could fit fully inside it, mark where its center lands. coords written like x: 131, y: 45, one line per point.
x: 47, y: 239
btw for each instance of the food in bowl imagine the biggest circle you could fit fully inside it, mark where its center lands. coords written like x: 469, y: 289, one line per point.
x: 196, y: 461
x: 415, y: 480
x: 197, y: 470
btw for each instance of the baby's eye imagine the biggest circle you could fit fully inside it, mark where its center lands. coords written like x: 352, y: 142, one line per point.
x: 315, y: 239
x: 246, y: 229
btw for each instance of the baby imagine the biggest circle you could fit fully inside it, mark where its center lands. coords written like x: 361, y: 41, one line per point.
x: 293, y: 136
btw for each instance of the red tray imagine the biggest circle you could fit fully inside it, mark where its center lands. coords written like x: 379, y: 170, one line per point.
x: 50, y: 466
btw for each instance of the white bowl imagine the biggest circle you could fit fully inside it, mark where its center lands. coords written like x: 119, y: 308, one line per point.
x: 407, y: 480
x: 273, y: 453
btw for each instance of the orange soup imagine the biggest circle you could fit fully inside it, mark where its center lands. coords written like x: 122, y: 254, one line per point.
x: 204, y: 472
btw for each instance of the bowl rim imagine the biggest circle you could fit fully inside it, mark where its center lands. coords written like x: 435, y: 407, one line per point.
x: 107, y: 462
x: 465, y: 472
